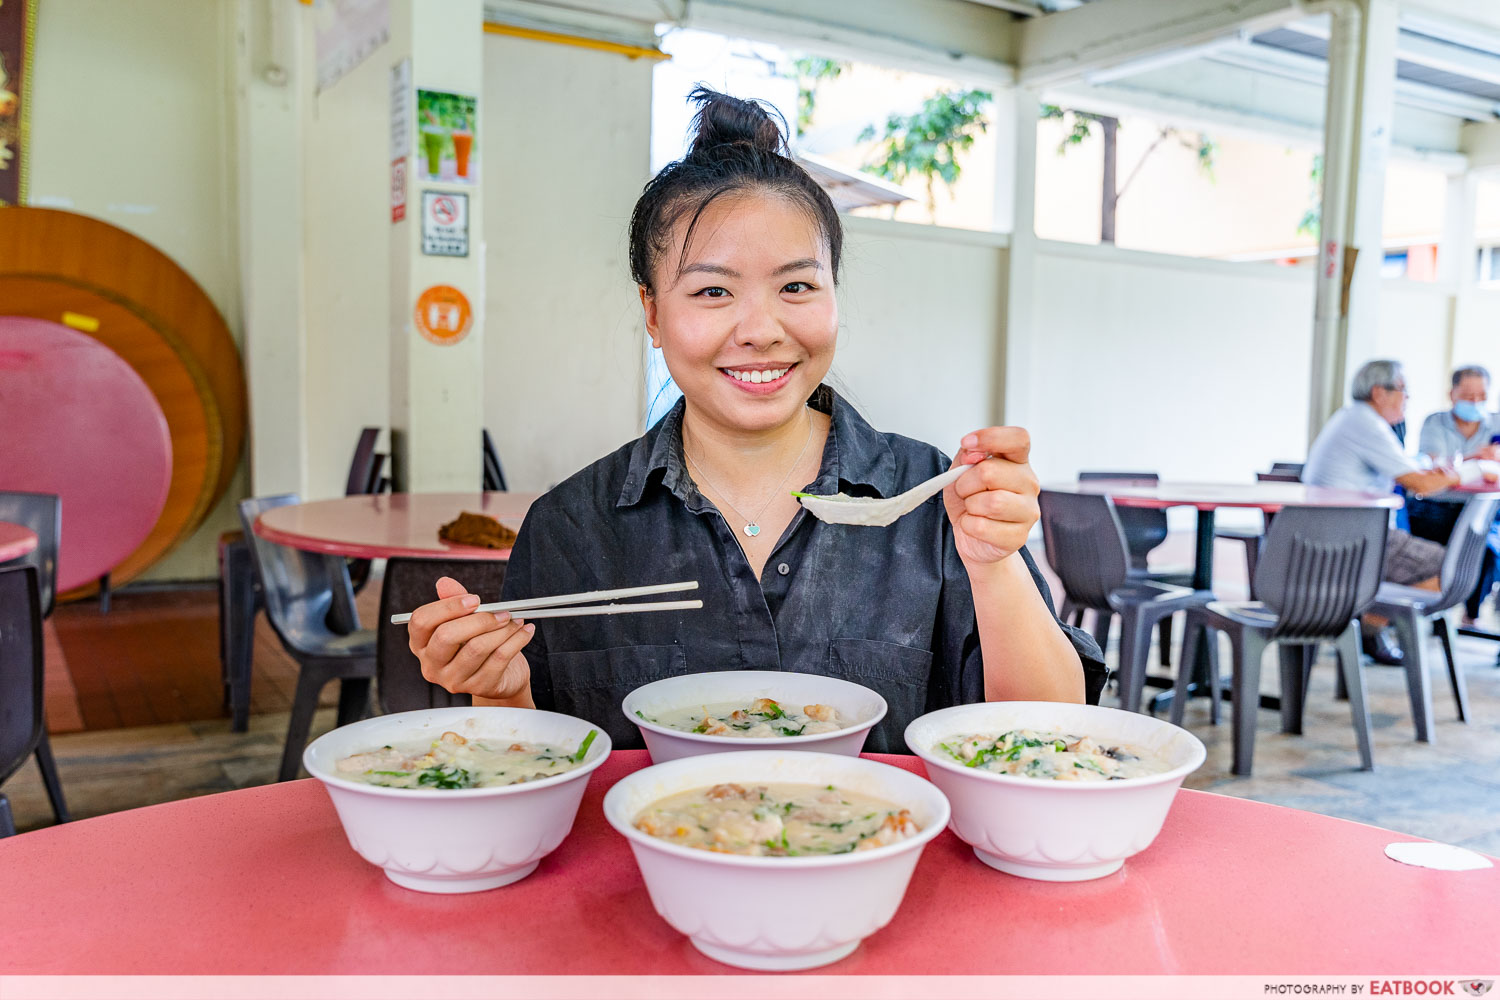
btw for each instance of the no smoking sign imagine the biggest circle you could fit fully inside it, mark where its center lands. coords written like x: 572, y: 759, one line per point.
x: 445, y: 224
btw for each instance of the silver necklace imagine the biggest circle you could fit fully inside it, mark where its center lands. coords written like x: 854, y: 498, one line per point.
x: 751, y: 527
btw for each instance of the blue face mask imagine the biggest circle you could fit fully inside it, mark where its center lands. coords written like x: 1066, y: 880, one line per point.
x: 1468, y: 412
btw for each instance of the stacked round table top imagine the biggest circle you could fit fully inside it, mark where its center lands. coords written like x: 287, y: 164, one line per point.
x: 100, y: 281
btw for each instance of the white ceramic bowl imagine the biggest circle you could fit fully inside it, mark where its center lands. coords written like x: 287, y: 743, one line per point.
x: 861, y: 706
x: 1056, y: 831
x: 463, y: 839
x: 775, y: 913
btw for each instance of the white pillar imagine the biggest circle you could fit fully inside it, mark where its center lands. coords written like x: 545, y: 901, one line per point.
x: 1468, y: 343
x: 437, y: 374
x: 1020, y: 299
x: 268, y: 101
x: 1357, y: 137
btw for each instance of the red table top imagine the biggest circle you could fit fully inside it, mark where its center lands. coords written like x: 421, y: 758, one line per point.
x: 15, y: 541
x: 390, y: 524
x: 264, y: 881
x: 1208, y: 496
x: 79, y: 422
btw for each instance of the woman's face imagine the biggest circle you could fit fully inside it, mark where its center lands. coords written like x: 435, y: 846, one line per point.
x: 748, y: 327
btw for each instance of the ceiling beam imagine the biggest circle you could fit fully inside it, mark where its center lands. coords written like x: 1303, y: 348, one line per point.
x: 1067, y: 45
x: 1261, y: 123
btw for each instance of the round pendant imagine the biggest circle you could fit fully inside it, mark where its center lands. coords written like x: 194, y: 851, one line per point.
x: 752, y: 529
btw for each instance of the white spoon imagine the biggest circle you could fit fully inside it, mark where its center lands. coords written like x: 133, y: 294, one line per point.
x: 874, y: 511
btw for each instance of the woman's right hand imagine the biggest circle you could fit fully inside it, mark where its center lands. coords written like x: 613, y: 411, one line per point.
x: 468, y: 653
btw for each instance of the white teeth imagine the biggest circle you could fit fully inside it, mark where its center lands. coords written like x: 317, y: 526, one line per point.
x: 756, y: 377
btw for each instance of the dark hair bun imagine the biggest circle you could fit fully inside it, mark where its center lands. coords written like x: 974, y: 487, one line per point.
x: 725, y: 124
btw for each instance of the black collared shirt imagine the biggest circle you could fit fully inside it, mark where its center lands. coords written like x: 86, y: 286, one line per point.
x: 889, y: 608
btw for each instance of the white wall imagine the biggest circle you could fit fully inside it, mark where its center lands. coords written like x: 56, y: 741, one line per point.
x: 921, y: 315
x: 1195, y: 369
x: 130, y: 124
x: 346, y: 252
x: 568, y: 134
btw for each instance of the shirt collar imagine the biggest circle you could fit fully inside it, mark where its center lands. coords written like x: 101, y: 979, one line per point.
x: 857, y: 458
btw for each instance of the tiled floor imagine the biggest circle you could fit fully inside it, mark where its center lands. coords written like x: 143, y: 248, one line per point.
x: 1448, y: 790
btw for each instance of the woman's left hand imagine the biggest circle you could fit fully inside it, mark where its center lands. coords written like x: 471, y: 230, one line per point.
x: 993, y: 505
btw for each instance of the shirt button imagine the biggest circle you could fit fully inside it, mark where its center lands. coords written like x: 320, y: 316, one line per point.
x: 783, y: 569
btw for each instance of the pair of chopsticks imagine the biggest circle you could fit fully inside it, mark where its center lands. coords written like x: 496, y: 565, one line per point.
x: 558, y: 611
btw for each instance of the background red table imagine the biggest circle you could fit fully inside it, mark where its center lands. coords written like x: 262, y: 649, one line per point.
x: 264, y: 881
x: 15, y: 541
x: 390, y: 525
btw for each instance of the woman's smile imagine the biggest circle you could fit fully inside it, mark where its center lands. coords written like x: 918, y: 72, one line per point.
x: 760, y: 379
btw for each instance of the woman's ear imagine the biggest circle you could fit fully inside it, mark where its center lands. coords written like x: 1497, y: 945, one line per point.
x: 648, y: 306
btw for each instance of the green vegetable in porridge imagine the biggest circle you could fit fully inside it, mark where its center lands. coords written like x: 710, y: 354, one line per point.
x: 454, y: 761
x: 1053, y: 756
x: 776, y: 820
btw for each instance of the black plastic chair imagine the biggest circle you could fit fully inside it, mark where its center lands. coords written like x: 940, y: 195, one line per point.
x: 1085, y: 547
x: 408, y: 583
x: 300, y: 590
x: 1408, y: 608
x: 494, y: 476
x: 1320, y: 571
x: 21, y: 730
x: 42, y: 514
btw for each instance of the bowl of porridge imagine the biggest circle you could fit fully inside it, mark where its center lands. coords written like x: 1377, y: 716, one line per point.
x: 731, y: 710
x: 776, y: 860
x: 457, y: 799
x: 1052, y: 791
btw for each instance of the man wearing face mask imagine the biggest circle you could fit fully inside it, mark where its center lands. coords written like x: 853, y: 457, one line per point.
x: 1464, y: 431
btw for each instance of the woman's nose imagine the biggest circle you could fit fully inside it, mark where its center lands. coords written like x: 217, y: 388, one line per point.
x: 760, y: 328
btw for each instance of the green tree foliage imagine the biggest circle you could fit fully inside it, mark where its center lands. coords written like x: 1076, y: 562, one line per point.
x: 1311, y: 223
x: 927, y: 144
x: 809, y: 71
x: 1081, y: 127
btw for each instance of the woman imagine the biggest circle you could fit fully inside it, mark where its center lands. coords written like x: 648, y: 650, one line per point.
x: 736, y: 250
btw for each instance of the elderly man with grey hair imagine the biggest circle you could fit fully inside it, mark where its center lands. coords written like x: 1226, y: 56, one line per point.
x: 1465, y: 430
x: 1358, y: 450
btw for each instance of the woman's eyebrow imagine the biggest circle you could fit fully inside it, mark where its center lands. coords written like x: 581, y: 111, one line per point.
x: 711, y: 269
x: 798, y: 265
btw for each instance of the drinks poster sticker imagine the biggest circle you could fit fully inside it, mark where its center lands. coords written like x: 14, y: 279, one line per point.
x: 445, y: 127
x: 445, y: 224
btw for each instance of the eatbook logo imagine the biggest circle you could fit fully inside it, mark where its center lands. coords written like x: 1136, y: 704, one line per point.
x: 1477, y: 987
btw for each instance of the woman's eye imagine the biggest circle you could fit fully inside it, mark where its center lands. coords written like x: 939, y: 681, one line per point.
x: 797, y: 287
x: 713, y: 292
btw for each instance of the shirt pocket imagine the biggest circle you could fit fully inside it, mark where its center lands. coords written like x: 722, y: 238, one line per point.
x: 590, y: 684
x: 899, y: 674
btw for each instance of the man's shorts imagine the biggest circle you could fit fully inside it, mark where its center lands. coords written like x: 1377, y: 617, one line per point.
x: 1410, y: 560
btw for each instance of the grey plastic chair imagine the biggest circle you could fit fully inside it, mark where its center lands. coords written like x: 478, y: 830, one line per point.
x: 42, y: 513
x: 1320, y: 570
x: 239, y: 588
x: 21, y: 729
x: 1145, y: 528
x: 302, y: 591
x: 1085, y: 547
x: 408, y: 583
x: 1408, y: 608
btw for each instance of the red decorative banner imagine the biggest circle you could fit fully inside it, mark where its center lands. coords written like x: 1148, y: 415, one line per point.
x: 17, y: 41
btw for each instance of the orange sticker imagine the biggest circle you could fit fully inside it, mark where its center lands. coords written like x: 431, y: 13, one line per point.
x: 443, y: 315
